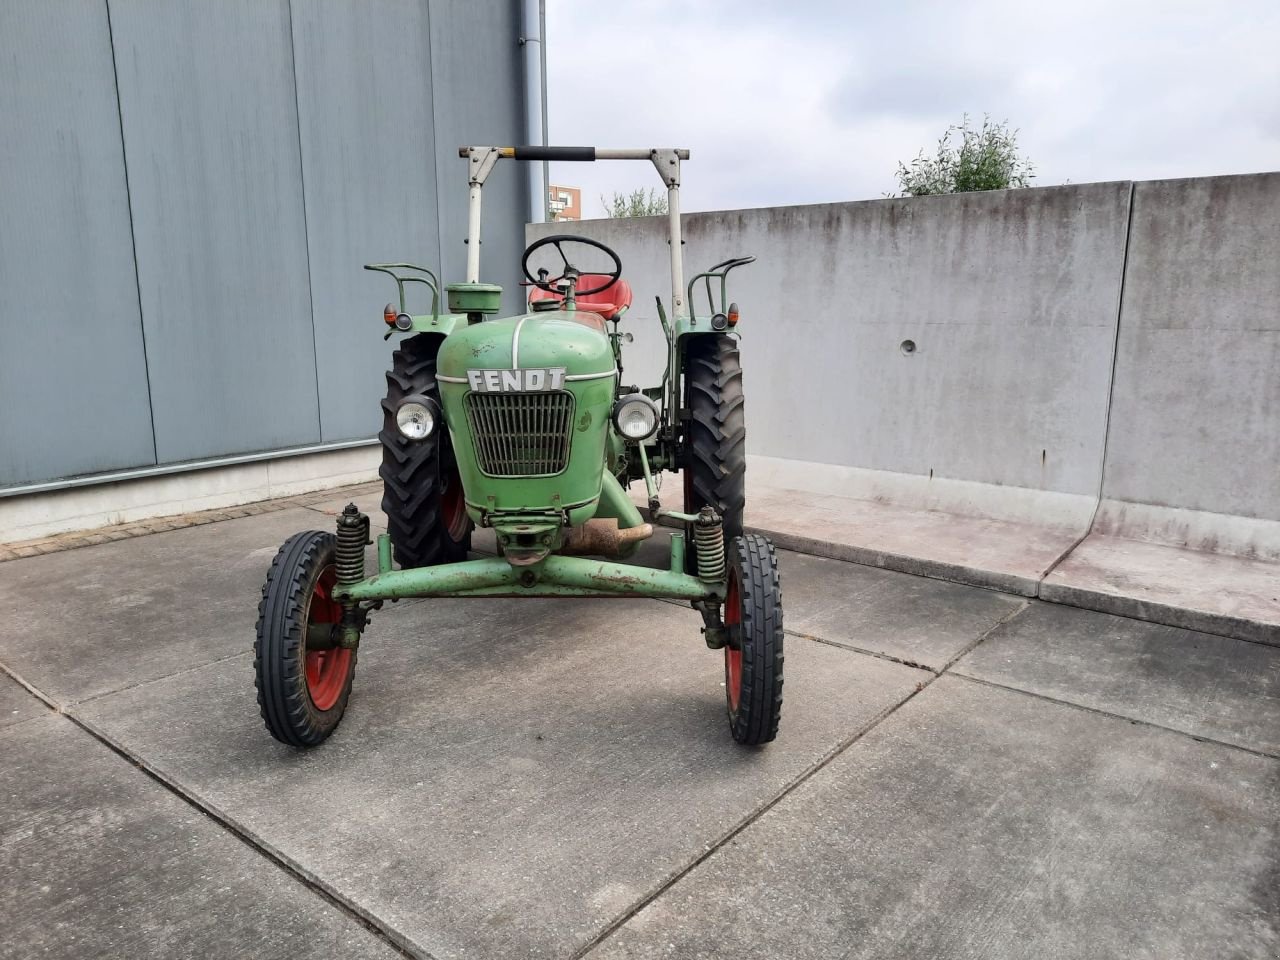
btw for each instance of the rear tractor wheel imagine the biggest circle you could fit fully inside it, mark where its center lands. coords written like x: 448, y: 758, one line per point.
x: 421, y: 491
x: 303, y: 677
x: 714, y: 462
x: 753, y: 654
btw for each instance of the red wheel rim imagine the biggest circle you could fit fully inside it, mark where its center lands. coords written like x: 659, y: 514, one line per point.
x: 326, y: 670
x: 732, y: 656
x: 454, y: 507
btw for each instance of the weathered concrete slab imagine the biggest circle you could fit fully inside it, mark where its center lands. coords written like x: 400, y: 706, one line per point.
x: 997, y: 554
x: 16, y: 704
x: 1210, y: 592
x: 101, y: 861
x: 979, y: 822
x: 87, y: 621
x: 1010, y: 555
x: 512, y: 776
x: 914, y: 619
x: 1205, y: 685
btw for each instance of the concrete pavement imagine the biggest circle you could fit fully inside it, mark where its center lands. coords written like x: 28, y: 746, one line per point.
x: 959, y: 773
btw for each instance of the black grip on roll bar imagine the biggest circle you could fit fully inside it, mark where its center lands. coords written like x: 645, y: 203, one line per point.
x: 555, y: 153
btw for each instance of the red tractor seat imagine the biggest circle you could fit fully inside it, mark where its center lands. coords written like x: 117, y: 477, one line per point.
x: 608, y: 303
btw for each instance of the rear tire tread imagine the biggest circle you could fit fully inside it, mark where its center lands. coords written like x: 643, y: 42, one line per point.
x: 716, y: 435
x: 412, y: 470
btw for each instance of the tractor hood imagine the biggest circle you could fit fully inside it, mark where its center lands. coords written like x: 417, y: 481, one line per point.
x: 527, y: 402
x: 575, y: 341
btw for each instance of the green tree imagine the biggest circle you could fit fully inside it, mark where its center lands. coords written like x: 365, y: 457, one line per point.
x: 637, y: 203
x: 985, y: 158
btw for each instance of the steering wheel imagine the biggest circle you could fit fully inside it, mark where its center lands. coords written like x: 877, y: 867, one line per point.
x: 555, y: 241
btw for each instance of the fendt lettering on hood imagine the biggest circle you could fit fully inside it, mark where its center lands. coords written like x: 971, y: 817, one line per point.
x: 522, y: 380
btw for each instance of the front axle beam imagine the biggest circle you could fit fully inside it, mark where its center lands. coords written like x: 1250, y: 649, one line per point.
x: 556, y: 576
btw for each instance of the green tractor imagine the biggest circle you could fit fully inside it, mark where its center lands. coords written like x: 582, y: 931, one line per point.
x: 522, y: 425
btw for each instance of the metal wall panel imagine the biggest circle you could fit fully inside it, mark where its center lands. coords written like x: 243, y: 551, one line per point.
x: 73, y: 381
x: 368, y: 156
x: 211, y: 139
x: 479, y: 99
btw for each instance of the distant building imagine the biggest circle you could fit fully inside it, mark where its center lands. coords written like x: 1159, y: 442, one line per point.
x: 564, y: 203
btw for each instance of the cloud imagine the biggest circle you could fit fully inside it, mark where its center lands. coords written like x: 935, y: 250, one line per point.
x: 932, y: 91
x: 814, y: 100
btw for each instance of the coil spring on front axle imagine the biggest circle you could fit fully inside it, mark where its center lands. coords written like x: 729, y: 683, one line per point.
x: 353, y: 534
x: 708, y: 544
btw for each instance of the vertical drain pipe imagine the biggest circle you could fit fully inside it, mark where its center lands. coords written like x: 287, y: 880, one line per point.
x: 535, y: 128
x: 546, y: 125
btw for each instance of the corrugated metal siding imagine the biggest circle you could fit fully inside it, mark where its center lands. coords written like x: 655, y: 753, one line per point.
x: 211, y: 137
x: 73, y: 382
x: 271, y: 150
x: 368, y: 154
x: 479, y: 88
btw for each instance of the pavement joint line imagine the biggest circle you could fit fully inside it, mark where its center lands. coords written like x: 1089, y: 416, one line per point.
x: 715, y: 847
x: 973, y: 645
x: 365, y: 919
x: 168, y: 676
x: 1137, y: 721
x: 269, y: 852
x: 32, y: 689
x: 915, y: 665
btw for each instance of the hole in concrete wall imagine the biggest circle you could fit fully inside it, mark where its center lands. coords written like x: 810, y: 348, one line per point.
x: 908, y: 347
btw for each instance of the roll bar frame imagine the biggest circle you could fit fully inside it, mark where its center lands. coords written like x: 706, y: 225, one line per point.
x: 666, y: 160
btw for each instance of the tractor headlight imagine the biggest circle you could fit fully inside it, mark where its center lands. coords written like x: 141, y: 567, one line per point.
x: 636, y: 417
x: 416, y: 417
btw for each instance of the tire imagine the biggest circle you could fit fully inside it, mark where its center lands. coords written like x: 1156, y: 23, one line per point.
x: 302, y: 694
x: 753, y: 656
x: 421, y: 491
x: 714, y: 462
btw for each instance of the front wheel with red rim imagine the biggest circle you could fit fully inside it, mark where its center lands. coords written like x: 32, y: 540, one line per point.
x: 303, y: 677
x: 753, y: 655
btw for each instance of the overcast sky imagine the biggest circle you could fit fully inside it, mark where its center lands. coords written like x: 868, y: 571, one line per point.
x: 807, y: 101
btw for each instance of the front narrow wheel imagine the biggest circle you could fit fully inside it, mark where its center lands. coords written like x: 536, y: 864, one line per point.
x: 753, y: 655
x: 303, y: 678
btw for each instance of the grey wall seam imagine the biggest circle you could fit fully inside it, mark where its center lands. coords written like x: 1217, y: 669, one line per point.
x: 133, y: 240
x: 306, y: 228
x: 1111, y: 390
x: 435, y: 125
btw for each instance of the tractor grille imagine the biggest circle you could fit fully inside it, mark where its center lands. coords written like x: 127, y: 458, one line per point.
x: 521, y: 434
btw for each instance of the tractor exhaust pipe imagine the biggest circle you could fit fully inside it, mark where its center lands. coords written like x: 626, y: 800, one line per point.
x: 601, y: 537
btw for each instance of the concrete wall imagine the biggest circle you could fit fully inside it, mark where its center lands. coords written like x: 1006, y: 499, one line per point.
x: 1014, y: 300
x: 190, y: 190
x: 1195, y: 416
x: 1010, y: 299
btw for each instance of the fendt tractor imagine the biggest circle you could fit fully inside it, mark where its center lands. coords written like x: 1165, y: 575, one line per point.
x: 522, y: 425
